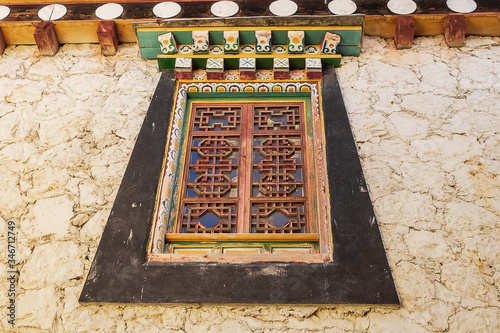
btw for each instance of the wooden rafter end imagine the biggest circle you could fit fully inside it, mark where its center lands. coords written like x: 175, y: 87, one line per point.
x: 46, y: 38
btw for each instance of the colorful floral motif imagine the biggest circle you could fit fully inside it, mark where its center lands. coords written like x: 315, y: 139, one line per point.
x: 216, y: 49
x: 298, y: 74
x: 264, y: 74
x: 168, y: 44
x: 247, y: 48
x: 296, y: 42
x: 199, y: 75
x: 231, y: 75
x: 200, y: 42
x: 311, y: 49
x: 263, y: 41
x: 231, y: 42
x: 329, y: 43
x: 279, y: 49
x: 185, y: 49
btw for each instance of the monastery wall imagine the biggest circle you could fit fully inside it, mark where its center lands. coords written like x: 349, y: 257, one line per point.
x: 427, y: 126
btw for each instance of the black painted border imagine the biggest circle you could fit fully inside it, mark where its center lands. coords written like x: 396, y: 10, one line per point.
x: 360, y: 273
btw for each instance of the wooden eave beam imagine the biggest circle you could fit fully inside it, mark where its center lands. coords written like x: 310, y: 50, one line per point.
x: 84, y: 31
x: 481, y: 24
x: 80, y: 23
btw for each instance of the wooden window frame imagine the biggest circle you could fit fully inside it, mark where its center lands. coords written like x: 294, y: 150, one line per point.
x: 359, y: 273
x: 313, y: 246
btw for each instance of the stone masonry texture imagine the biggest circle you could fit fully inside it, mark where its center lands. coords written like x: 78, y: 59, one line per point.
x: 426, y: 122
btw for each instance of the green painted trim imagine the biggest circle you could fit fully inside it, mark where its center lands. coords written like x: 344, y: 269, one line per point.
x: 297, y: 63
x: 267, y: 245
x: 279, y: 37
x: 166, y: 63
x: 149, y: 52
x: 330, y: 62
x: 264, y: 63
x: 199, y: 63
x: 214, y: 38
x: 350, y: 38
x: 349, y: 50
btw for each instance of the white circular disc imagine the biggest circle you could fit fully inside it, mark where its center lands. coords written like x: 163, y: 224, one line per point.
x: 342, y: 7
x: 109, y: 11
x: 462, y: 6
x: 402, y: 7
x: 52, y: 12
x: 45, y: 12
x: 224, y: 8
x: 167, y: 9
x: 59, y: 11
x: 4, y: 12
x: 283, y: 7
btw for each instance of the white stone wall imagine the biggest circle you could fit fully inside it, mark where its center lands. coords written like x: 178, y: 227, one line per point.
x: 426, y: 122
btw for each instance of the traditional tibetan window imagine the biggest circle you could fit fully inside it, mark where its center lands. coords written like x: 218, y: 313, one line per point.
x: 248, y: 182
x: 205, y: 169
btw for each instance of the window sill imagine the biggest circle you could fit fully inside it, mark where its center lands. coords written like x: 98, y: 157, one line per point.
x: 240, y: 258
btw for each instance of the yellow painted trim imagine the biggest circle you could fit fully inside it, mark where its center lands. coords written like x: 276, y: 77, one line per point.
x: 192, y: 249
x: 250, y: 55
x: 283, y: 28
x: 243, y: 237
x: 291, y: 247
x: 242, y: 249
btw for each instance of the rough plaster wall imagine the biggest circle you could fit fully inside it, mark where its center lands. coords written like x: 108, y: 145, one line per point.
x: 426, y: 122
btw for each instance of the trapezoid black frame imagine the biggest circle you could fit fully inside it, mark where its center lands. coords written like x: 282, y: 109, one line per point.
x: 360, y: 273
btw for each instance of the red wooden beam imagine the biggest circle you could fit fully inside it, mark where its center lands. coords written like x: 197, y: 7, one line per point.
x: 454, y: 33
x: 3, y: 44
x: 108, y: 37
x: 405, y: 31
x: 46, y: 38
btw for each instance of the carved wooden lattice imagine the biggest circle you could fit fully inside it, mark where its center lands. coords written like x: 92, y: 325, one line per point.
x: 245, y: 170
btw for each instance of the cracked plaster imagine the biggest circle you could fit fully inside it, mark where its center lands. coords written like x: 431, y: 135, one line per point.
x: 425, y: 122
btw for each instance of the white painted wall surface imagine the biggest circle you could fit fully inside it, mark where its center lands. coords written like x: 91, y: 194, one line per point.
x: 427, y: 126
